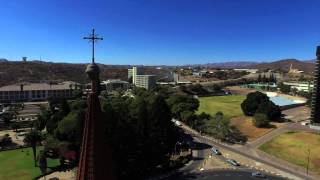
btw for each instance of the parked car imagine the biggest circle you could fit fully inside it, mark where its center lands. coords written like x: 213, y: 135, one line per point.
x: 305, y: 123
x: 178, y: 123
x: 233, y: 162
x: 258, y: 175
x: 215, y: 151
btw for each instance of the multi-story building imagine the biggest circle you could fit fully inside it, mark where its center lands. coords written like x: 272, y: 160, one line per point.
x: 144, y: 81
x: 307, y: 87
x: 36, y: 91
x: 130, y: 73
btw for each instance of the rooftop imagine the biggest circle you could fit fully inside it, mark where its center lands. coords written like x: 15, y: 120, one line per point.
x: 114, y: 81
x: 37, y: 86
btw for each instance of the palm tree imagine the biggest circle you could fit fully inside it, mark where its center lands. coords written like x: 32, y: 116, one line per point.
x: 32, y: 138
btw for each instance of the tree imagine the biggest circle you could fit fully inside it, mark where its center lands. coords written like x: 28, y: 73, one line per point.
x: 42, y: 119
x: 52, y: 123
x: 271, y: 110
x: 252, y: 102
x: 197, y: 89
x: 5, y: 140
x: 259, y: 78
x: 32, y: 138
x: 216, y: 88
x: 260, y: 120
x: 140, y: 131
x: 188, y: 117
x: 284, y: 88
x: 219, y: 116
x: 70, y: 127
x: 264, y: 78
x: 15, y: 126
x: 181, y: 103
x: 7, y: 117
x: 204, y: 116
x: 64, y: 107
x: 220, y: 128
x: 162, y: 130
x: 140, y: 113
x: 42, y: 162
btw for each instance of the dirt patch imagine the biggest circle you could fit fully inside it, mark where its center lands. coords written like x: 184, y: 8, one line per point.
x: 244, y: 124
x: 239, y: 90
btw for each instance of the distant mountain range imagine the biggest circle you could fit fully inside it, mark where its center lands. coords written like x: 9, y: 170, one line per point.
x: 231, y: 64
x: 34, y: 71
x: 283, y: 65
x: 18, y: 71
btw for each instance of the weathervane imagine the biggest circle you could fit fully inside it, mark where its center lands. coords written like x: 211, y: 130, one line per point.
x: 93, y: 38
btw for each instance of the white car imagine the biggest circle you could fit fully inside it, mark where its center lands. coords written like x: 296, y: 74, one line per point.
x: 258, y: 174
x: 178, y: 123
x: 233, y: 162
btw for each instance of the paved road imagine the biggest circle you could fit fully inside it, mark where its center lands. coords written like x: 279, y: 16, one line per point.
x: 248, y: 154
x: 201, y: 150
x: 224, y: 175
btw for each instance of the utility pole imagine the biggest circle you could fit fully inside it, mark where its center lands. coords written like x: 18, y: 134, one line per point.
x: 308, y: 160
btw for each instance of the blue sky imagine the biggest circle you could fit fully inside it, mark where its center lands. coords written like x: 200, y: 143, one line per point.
x: 160, y: 31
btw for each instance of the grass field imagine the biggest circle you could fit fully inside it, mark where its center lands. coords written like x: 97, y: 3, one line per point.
x: 19, y: 165
x: 229, y: 105
x: 293, y: 147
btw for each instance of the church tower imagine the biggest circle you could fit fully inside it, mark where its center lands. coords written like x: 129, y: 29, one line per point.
x: 95, y: 156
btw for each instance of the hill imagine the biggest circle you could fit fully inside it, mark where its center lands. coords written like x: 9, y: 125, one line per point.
x: 34, y: 71
x: 284, y: 65
x: 225, y: 65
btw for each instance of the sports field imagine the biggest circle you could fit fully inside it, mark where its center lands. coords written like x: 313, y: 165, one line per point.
x: 229, y: 105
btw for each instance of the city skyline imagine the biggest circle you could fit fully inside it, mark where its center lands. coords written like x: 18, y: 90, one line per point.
x: 160, y: 32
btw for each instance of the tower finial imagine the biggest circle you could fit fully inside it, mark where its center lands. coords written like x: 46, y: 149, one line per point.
x: 93, y: 38
x: 93, y: 69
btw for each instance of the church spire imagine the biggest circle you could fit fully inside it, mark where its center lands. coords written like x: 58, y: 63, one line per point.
x: 95, y: 156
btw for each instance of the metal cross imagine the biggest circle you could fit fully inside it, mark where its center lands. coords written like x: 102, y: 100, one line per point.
x: 93, y: 38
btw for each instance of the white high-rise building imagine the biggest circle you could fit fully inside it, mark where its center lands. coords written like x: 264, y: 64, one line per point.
x: 134, y: 74
x: 143, y: 81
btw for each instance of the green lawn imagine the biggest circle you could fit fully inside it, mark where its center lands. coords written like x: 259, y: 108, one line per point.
x: 19, y: 165
x: 293, y: 147
x: 229, y: 105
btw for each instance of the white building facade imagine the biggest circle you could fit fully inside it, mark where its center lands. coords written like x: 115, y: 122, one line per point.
x: 36, y: 91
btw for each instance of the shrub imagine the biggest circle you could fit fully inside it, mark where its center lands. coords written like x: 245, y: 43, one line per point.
x: 272, y: 111
x: 260, y: 120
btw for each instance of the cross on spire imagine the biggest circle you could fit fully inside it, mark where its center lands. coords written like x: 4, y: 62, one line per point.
x: 93, y: 38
